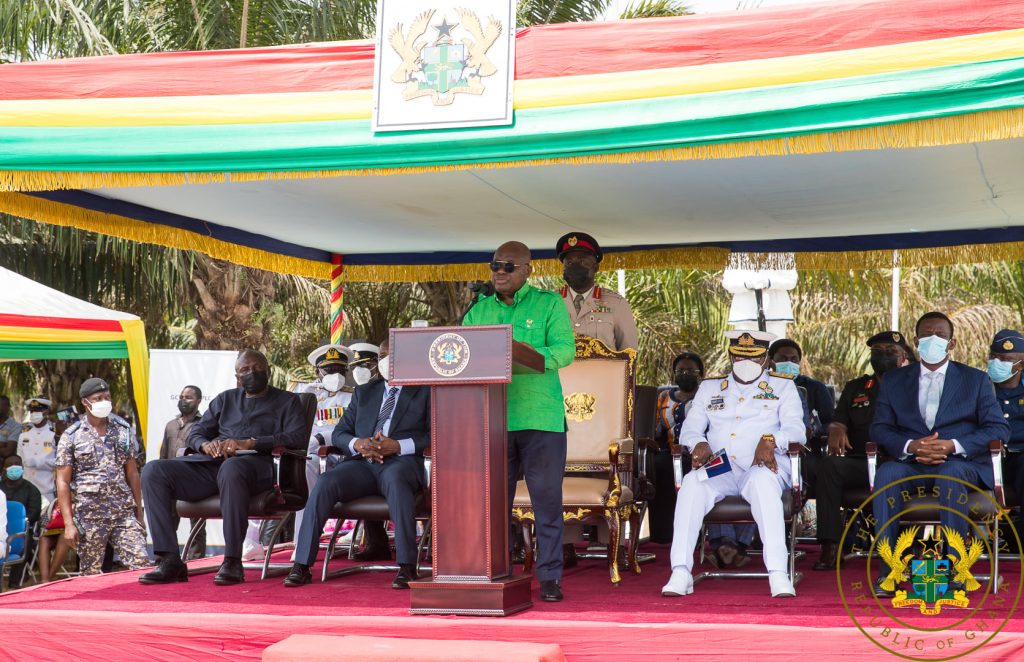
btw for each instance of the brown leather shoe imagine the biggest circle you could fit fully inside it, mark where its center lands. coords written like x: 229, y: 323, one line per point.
x: 828, y: 558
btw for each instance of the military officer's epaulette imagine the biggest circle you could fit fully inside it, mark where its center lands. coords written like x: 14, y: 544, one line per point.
x: 26, y: 427
x: 715, y: 379
x: 73, y: 428
x: 348, y: 389
x: 780, y: 375
x: 117, y: 420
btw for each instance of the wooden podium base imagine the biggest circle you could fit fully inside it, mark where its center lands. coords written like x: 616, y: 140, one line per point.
x: 500, y: 597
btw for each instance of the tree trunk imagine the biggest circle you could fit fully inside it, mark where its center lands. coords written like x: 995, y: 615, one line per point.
x: 447, y: 301
x: 229, y: 302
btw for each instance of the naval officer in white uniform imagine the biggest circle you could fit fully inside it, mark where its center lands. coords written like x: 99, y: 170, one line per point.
x: 753, y: 415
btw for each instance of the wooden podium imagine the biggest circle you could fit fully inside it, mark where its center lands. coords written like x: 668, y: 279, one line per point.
x: 467, y: 369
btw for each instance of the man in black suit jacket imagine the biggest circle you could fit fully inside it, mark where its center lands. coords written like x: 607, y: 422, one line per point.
x: 382, y: 435
x: 936, y: 419
x: 232, y: 444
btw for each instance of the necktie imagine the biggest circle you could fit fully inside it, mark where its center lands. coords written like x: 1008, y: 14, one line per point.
x: 931, y: 403
x: 578, y: 302
x: 385, y: 411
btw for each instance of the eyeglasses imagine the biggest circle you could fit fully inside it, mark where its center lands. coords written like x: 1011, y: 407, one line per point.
x: 507, y: 267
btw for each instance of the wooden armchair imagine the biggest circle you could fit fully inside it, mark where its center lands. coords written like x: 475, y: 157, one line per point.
x: 599, y: 471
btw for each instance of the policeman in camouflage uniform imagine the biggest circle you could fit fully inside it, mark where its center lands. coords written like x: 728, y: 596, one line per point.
x: 594, y: 311
x: 98, y: 485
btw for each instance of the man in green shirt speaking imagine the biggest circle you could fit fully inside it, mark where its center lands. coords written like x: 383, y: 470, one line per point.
x: 536, y: 413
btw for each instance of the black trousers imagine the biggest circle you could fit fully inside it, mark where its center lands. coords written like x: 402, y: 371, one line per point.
x: 836, y: 475
x: 235, y: 479
x: 663, y: 505
x: 398, y: 480
x: 1014, y: 475
x: 539, y: 457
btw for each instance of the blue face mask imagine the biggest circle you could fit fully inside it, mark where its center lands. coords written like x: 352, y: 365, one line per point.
x: 788, y: 368
x: 933, y: 349
x: 1000, y: 371
x: 15, y: 472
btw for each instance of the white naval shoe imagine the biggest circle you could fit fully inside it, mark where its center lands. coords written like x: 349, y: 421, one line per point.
x: 253, y: 551
x: 679, y: 584
x: 780, y: 585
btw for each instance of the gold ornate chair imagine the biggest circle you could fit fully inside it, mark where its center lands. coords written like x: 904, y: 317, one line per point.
x: 599, y: 468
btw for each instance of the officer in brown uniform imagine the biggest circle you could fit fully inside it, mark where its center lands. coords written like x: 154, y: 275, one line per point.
x: 594, y: 311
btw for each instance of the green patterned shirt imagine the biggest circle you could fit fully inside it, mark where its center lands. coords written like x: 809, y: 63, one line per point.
x: 539, y: 319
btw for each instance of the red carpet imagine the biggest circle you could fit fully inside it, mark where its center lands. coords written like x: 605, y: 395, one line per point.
x: 112, y: 617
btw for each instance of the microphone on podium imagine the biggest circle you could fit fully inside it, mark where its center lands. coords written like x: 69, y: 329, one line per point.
x: 478, y: 289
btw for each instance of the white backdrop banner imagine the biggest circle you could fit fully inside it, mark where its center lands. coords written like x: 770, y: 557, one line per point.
x: 171, y: 370
x: 443, y: 64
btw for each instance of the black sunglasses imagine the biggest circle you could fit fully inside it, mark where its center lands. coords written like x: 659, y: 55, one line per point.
x: 507, y: 267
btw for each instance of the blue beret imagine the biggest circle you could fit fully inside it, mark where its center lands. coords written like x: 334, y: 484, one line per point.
x: 1007, y: 340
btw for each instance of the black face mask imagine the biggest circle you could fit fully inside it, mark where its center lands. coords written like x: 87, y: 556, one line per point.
x: 186, y: 407
x: 686, y: 381
x: 255, y: 381
x: 883, y: 363
x: 576, y: 276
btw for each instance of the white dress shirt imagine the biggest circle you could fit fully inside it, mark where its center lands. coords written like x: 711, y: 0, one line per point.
x: 408, y: 445
x: 924, y: 383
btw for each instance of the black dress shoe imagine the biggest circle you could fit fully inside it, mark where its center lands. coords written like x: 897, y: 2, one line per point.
x: 298, y: 576
x: 550, y: 591
x: 880, y: 592
x: 170, y: 570
x: 374, y: 553
x: 829, y: 557
x: 406, y: 574
x: 230, y: 572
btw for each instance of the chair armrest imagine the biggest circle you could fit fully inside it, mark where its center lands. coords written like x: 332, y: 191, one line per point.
x: 324, y: 452
x: 871, y: 449
x: 427, y: 461
x: 997, y: 450
x: 677, y: 464
x: 277, y: 453
x: 624, y: 460
x: 182, y: 452
x: 644, y: 445
x: 795, y: 477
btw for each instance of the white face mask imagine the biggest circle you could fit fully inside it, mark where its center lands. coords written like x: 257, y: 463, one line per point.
x: 101, y: 409
x: 36, y: 417
x: 361, y: 374
x: 746, y: 370
x: 333, y: 381
x: 382, y: 366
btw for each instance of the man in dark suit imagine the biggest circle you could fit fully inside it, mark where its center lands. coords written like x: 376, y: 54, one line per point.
x: 382, y: 435
x: 231, y: 447
x: 936, y: 420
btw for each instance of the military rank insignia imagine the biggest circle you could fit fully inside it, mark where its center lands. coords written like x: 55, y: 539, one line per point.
x: 767, y: 392
x: 861, y: 400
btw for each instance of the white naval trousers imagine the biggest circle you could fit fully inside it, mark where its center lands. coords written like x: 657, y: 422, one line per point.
x: 758, y: 485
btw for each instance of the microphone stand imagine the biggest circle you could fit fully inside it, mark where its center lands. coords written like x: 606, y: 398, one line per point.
x: 479, y: 290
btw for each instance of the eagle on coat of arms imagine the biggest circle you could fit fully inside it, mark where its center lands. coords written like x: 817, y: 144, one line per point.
x: 443, y: 68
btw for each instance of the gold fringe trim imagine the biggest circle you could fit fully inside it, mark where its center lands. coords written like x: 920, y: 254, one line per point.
x: 660, y: 258
x: 911, y: 257
x: 956, y: 130
x: 56, y: 213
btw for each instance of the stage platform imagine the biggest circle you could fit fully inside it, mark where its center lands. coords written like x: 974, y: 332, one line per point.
x: 112, y: 617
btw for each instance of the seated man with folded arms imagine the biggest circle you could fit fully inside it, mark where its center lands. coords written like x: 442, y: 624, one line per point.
x: 936, y: 419
x: 751, y: 417
x: 846, y: 466
x: 382, y: 436
x: 232, y: 443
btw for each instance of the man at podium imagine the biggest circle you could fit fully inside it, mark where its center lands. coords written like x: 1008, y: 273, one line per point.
x: 536, y: 413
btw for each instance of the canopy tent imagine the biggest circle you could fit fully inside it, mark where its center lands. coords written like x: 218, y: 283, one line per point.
x: 38, y: 322
x: 840, y: 132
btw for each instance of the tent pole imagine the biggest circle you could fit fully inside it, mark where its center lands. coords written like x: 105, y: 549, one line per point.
x: 895, y: 292
x: 337, y: 299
